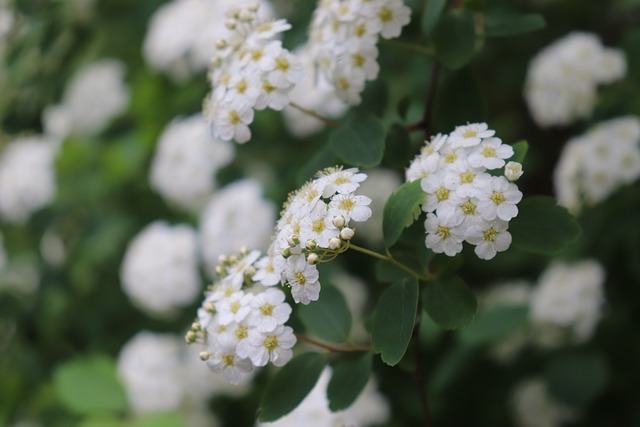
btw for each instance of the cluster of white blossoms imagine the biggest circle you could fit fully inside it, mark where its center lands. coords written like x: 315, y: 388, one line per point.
x: 314, y: 227
x: 250, y: 70
x: 533, y: 406
x: 186, y: 160
x: 567, y: 303
x: 27, y: 177
x: 160, y: 268
x: 95, y: 95
x: 241, y: 323
x: 595, y: 164
x: 370, y: 408
x: 237, y: 215
x: 562, y: 80
x: 343, y: 41
x: 182, y: 34
x: 464, y: 202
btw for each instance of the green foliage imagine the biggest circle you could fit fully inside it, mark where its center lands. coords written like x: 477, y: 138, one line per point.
x: 450, y: 302
x: 90, y: 386
x: 454, y: 38
x: 503, y: 25
x: 459, y: 100
x: 543, y: 227
x: 432, y: 11
x: 290, y: 386
x: 350, y: 376
x: 401, y: 210
x: 360, y: 141
x: 520, y: 150
x: 328, y: 318
x: 393, y: 320
x: 397, y: 151
x: 493, y: 325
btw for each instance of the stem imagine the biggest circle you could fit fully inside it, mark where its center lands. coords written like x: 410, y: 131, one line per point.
x: 429, y: 51
x: 331, y: 347
x: 430, y: 98
x: 312, y: 113
x: 418, y: 374
x: 392, y: 260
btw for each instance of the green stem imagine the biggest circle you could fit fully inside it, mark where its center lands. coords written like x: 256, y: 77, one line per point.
x: 332, y: 348
x: 428, y: 51
x: 312, y: 113
x: 390, y: 259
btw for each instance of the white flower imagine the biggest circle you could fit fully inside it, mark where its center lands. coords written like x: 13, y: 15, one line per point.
x: 490, y: 154
x: 499, y: 199
x: 341, y: 181
x: 318, y: 226
x: 470, y: 135
x: 489, y: 238
x: 513, y: 171
x: 533, y: 406
x: 443, y: 235
x: 160, y: 268
x: 232, y: 122
x: 269, y: 310
x: 225, y: 361
x: 273, y: 346
x: 269, y: 270
x: 351, y: 207
x: 303, y: 279
x: 393, y: 15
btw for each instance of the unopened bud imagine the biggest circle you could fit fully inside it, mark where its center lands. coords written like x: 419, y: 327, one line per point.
x: 246, y: 15
x: 190, y: 337
x: 233, y: 259
x: 220, y: 270
x: 223, y: 259
x: 210, y: 307
x: 250, y: 271
x: 313, y: 258
x: 286, y: 252
x: 513, y: 171
x: 205, y: 355
x: 244, y: 251
x: 253, y: 7
x: 195, y: 326
x: 347, y: 233
x: 293, y: 240
x: 311, y: 245
x: 231, y: 24
x: 334, y: 243
x: 339, y: 221
x: 221, y: 43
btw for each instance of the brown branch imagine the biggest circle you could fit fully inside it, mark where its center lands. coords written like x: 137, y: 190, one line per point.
x: 332, y: 348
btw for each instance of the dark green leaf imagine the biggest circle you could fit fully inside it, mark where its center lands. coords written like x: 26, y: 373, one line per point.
x: 432, y: 12
x: 103, y: 422
x: 401, y: 210
x: 323, y: 158
x: 328, y: 318
x: 360, y: 141
x: 501, y: 25
x: 169, y: 419
x: 393, y: 320
x: 520, y: 150
x: 397, y: 152
x: 454, y: 38
x: 350, y: 375
x: 450, y: 367
x: 290, y: 386
x: 577, y: 377
x: 389, y: 273
x: 493, y: 325
x: 90, y: 386
x: 459, y: 100
x: 403, y: 107
x: 450, y: 302
x: 543, y: 227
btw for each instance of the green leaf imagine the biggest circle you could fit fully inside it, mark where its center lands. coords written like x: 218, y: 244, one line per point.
x: 397, y: 152
x: 393, y: 320
x: 102, y: 422
x: 401, y: 210
x: 520, y: 150
x: 290, y: 386
x: 432, y: 12
x: 459, y: 100
x: 90, y: 386
x: 577, y: 377
x: 322, y: 159
x: 350, y: 375
x: 360, y: 141
x: 454, y: 38
x: 168, y: 419
x: 543, y: 227
x: 328, y: 318
x: 494, y: 325
x: 502, y: 25
x: 450, y: 302
x: 388, y: 273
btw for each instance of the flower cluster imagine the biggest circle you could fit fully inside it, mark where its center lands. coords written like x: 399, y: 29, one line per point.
x: 250, y: 71
x: 186, y: 160
x: 182, y: 35
x: 240, y: 322
x: 314, y: 227
x: 96, y: 95
x: 534, y: 406
x: 464, y: 202
x: 27, y: 177
x: 562, y: 79
x: 593, y: 165
x: 567, y: 303
x: 343, y: 40
x: 160, y: 268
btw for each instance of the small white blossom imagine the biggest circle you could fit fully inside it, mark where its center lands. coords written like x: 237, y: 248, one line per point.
x: 513, y: 171
x: 303, y: 279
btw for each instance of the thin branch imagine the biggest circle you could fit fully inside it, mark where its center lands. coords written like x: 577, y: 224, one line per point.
x: 418, y: 374
x: 312, y: 113
x: 430, y: 98
x: 428, y: 51
x: 387, y: 258
x: 332, y: 348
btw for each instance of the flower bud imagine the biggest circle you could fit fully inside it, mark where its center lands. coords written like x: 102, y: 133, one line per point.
x: 190, y: 337
x: 513, y: 171
x: 231, y: 24
x: 346, y: 233
x: 223, y: 259
x: 311, y: 245
x: 253, y: 7
x: 293, y: 240
x: 221, y: 43
x: 313, y: 258
x: 244, y: 251
x: 249, y: 271
x: 246, y: 15
x: 210, y: 307
x: 338, y: 221
x: 220, y: 270
x: 286, y: 252
x: 205, y: 355
x: 334, y: 243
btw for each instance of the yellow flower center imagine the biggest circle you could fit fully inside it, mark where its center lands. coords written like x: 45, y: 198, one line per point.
x: 467, y: 177
x: 442, y: 194
x: 242, y: 332
x: 267, y: 87
x: 468, y: 207
x: 282, y: 64
x: 266, y: 309
x: 358, y: 60
x: 489, y: 152
x: 443, y: 232
x: 271, y: 342
x: 386, y: 14
x: 497, y: 197
x: 235, y: 306
x: 234, y: 117
x: 301, y: 279
x: 241, y: 87
x: 343, y: 83
x: 450, y: 157
x: 470, y: 133
x: 227, y: 359
x: 360, y: 30
x: 318, y: 225
x: 489, y: 235
x: 346, y: 204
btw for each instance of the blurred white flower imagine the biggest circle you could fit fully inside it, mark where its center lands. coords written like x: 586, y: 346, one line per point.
x: 532, y: 406
x: 27, y: 177
x: 567, y: 303
x: 562, y: 79
x: 160, y: 268
x: 595, y: 164
x: 186, y: 160
x: 95, y: 95
x: 235, y: 216
x: 379, y: 185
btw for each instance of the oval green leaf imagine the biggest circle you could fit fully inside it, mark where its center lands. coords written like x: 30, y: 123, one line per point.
x: 90, y: 386
x: 402, y: 208
x: 450, y: 302
x: 503, y: 25
x: 490, y: 326
x: 432, y: 11
x: 520, y: 150
x: 543, y: 227
x: 350, y: 376
x: 393, y: 320
x: 328, y: 318
x: 454, y: 38
x: 360, y: 141
x: 290, y: 386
